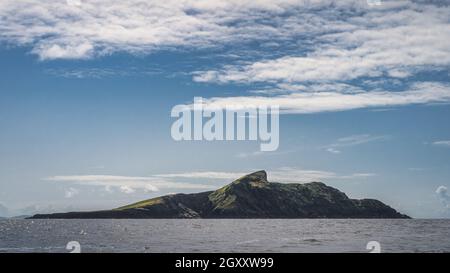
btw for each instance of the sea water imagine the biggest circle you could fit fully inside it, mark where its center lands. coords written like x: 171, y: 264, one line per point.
x: 225, y: 235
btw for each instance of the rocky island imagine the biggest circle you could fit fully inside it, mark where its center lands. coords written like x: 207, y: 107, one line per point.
x: 250, y: 196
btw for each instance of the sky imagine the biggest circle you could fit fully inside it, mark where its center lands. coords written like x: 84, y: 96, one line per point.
x: 87, y: 87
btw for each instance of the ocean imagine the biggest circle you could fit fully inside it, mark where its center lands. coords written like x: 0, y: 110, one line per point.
x: 225, y: 235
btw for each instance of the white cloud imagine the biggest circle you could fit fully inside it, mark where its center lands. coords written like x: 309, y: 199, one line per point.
x: 93, y: 73
x: 443, y: 195
x: 284, y: 174
x: 73, y: 2
x: 126, y: 189
x: 445, y: 143
x: 64, y: 51
x: 100, y: 73
x: 344, y: 31
x: 333, y: 151
x: 71, y: 192
x: 82, y: 29
x: 292, y: 175
x: 395, y: 41
x: 351, y: 40
x: 416, y: 169
x: 354, y: 140
x: 205, y: 175
x: 133, y: 184
x: 260, y: 153
x: 127, y: 184
x: 420, y: 93
x: 245, y: 155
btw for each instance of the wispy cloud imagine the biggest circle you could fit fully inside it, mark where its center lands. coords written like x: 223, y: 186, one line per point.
x: 412, y: 33
x: 251, y: 154
x: 393, y: 42
x: 416, y: 169
x: 355, y: 42
x: 445, y: 143
x: 396, y: 40
x: 304, y: 103
x: 100, y: 73
x: 357, y: 140
x: 203, y: 180
x: 127, y: 184
x: 333, y: 150
x: 284, y: 174
x: 352, y: 140
x: 289, y: 174
x: 62, y: 29
x: 260, y: 153
x: 204, y: 175
x: 92, y: 73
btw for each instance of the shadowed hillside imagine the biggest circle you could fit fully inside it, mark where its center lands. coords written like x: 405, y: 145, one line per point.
x: 251, y: 196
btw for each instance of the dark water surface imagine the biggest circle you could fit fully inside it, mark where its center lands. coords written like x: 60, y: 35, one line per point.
x: 220, y: 235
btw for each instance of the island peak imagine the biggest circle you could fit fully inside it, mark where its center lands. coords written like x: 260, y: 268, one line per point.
x: 258, y: 177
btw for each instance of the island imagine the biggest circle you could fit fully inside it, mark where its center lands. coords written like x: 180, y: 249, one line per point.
x: 250, y: 196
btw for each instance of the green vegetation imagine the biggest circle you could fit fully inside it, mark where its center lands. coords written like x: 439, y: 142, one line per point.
x: 144, y: 203
x: 250, y: 196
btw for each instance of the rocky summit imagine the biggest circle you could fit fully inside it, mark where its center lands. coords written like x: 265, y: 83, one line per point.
x: 250, y: 196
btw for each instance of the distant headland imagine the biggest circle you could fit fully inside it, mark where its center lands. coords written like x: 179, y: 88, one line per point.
x: 250, y: 196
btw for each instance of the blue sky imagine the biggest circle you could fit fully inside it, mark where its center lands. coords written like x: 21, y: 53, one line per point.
x: 86, y: 90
